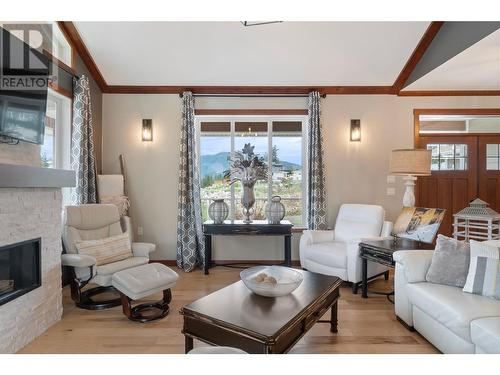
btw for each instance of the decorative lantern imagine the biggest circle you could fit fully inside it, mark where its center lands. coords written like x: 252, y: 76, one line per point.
x: 218, y: 211
x: 477, y: 222
x: 275, y: 210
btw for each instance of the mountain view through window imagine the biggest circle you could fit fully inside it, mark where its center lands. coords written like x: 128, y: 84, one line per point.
x: 281, y: 145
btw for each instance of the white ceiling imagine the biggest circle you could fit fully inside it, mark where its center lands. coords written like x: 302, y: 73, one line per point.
x: 227, y: 53
x: 476, y: 68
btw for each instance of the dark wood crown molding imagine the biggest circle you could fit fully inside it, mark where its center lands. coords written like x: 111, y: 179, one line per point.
x: 250, y: 90
x: 417, y: 54
x: 457, y: 111
x: 71, y: 33
x: 449, y: 93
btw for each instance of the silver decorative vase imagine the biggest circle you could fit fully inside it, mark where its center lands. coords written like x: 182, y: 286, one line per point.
x: 275, y: 210
x: 248, y: 200
x: 218, y: 211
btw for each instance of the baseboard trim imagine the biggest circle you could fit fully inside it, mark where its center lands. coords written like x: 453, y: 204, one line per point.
x: 170, y: 262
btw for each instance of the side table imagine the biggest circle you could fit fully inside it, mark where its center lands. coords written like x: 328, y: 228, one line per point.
x: 381, y: 251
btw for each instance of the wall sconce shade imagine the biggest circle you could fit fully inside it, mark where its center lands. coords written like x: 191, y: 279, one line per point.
x: 355, y: 130
x: 147, y: 130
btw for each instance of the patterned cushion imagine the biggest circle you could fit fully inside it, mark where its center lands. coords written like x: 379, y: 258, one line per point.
x: 484, y: 270
x: 107, y: 250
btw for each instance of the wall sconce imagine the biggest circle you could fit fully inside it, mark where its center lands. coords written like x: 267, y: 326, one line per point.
x: 147, y: 130
x: 355, y: 130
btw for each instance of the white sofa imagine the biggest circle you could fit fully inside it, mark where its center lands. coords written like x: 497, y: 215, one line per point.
x: 450, y: 319
x: 336, y: 252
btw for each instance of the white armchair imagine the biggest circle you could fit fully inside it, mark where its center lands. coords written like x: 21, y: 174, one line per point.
x: 92, y: 222
x: 336, y: 252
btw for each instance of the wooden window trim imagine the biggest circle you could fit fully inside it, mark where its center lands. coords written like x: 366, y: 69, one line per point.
x: 449, y: 111
x: 60, y: 90
x: 250, y: 112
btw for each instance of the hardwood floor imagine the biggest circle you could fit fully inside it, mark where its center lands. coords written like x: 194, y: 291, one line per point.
x: 365, y: 325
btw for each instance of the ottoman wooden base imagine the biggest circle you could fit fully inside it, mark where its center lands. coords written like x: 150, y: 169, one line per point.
x: 136, y: 313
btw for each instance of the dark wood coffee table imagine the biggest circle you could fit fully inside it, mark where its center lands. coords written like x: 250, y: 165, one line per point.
x: 236, y: 317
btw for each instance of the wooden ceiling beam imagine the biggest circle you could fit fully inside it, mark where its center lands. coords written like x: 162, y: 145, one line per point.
x: 416, y: 56
x: 250, y: 90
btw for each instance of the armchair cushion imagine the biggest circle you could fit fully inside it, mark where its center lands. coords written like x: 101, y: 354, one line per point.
x: 355, y: 221
x: 142, y: 249
x: 317, y: 236
x: 105, y: 272
x: 77, y: 260
x: 330, y: 254
x: 415, y: 263
x: 106, y: 250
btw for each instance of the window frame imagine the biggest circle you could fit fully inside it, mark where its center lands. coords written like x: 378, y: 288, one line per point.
x: 454, y: 158
x: 62, y: 133
x: 497, y: 157
x: 232, y: 119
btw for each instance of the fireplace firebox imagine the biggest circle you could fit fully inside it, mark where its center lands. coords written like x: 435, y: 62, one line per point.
x: 20, y: 269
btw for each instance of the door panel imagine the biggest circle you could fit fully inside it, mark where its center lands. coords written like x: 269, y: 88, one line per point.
x: 448, y: 188
x: 489, y: 170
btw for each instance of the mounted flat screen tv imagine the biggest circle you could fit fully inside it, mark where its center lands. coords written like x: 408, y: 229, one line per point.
x: 23, y: 95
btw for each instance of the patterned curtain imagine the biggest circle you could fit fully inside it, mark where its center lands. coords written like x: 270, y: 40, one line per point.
x: 82, y: 144
x: 316, y: 193
x: 190, y: 245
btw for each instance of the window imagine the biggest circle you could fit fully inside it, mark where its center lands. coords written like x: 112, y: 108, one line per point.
x: 492, y: 157
x: 459, y: 124
x: 278, y: 139
x: 55, y: 151
x: 448, y: 157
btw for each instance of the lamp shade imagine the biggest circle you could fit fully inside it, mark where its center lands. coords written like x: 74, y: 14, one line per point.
x: 411, y: 162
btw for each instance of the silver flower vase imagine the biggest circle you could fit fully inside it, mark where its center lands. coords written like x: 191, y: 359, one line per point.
x: 248, y: 200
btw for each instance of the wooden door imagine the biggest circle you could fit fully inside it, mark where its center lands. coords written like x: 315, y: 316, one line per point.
x: 489, y: 170
x: 454, y: 180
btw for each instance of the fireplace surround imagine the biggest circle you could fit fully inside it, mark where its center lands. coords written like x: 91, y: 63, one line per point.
x: 20, y: 269
x: 31, y: 208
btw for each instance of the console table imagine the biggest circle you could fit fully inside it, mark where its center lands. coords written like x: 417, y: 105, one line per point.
x: 239, y: 228
x: 381, y: 251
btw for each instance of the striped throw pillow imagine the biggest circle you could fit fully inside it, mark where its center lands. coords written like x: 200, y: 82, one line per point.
x: 484, y: 270
x: 107, y: 250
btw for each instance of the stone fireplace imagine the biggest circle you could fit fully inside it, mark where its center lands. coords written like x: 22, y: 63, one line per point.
x: 31, y: 209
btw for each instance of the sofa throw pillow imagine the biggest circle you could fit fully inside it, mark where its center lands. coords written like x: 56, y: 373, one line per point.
x: 106, y: 250
x: 450, y: 262
x: 484, y: 270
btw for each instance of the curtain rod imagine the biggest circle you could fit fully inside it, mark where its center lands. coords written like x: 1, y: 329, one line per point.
x: 252, y: 95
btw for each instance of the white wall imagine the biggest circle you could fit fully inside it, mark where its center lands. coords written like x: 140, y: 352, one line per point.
x: 356, y: 172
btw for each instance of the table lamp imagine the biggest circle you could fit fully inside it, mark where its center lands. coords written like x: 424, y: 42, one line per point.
x: 410, y: 163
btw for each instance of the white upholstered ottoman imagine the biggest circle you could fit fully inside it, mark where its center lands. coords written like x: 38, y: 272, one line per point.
x: 142, y: 281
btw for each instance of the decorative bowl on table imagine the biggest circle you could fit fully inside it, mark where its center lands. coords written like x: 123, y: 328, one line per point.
x: 271, y: 281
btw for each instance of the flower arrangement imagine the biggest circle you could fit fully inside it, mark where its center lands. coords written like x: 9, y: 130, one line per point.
x: 248, y: 168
